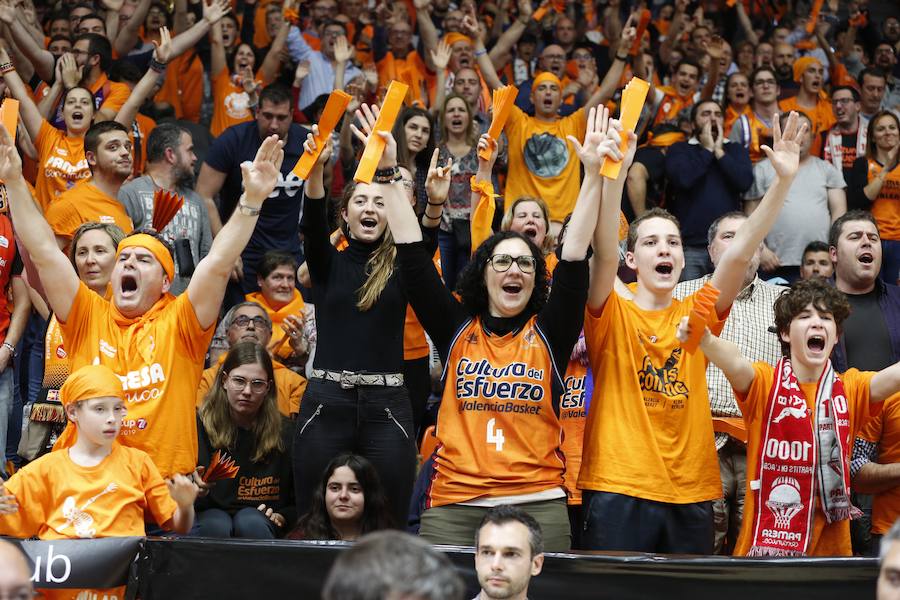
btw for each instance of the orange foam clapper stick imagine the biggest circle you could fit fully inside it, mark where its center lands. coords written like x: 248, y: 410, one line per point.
x: 731, y: 3
x: 539, y: 13
x: 502, y: 105
x: 641, y: 28
x: 559, y: 5
x: 9, y: 116
x: 633, y: 97
x: 331, y: 116
x: 814, y: 16
x: 390, y: 109
x: 704, y: 307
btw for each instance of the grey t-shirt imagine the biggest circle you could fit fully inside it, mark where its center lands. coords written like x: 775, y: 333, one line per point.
x: 805, y: 216
x: 190, y: 223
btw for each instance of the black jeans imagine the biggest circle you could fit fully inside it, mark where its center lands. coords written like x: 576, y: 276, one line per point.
x: 372, y: 421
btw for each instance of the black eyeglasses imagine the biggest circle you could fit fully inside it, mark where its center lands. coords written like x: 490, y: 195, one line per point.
x: 502, y: 262
x: 244, y: 320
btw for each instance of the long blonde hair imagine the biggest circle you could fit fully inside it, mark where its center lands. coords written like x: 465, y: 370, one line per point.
x: 215, y: 412
x: 380, y: 265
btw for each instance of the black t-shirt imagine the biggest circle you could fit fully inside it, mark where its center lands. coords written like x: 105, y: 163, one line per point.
x: 866, y: 338
x: 279, y: 221
x: 655, y: 162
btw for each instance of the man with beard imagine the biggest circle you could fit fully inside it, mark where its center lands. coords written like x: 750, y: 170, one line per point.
x: 783, y: 63
x: 170, y: 167
x: 810, y: 74
x: 847, y: 139
x: 107, y: 149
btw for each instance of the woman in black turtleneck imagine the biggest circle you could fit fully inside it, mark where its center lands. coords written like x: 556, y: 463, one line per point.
x: 355, y: 400
x: 498, y: 429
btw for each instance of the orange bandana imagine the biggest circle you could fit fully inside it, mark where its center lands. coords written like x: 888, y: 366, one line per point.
x: 802, y: 64
x: 544, y: 77
x: 454, y: 37
x: 148, y: 242
x: 92, y: 381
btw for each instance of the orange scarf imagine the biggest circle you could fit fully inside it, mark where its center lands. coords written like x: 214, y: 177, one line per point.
x: 294, y: 307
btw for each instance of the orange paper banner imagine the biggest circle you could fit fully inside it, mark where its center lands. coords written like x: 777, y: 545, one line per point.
x: 331, y: 116
x: 390, y: 109
x: 733, y: 426
x: 701, y: 316
x: 9, y: 116
x: 633, y: 97
x: 641, y: 28
x: 814, y: 16
x: 503, y: 101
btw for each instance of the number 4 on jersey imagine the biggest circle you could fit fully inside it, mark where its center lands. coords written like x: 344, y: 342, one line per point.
x: 495, y: 436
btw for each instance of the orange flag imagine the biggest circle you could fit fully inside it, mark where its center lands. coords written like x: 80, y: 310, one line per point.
x: 390, y: 109
x: 504, y: 98
x: 632, y: 103
x: 331, y: 116
x: 641, y: 28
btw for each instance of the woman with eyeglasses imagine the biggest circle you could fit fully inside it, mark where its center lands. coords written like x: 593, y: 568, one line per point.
x: 504, y: 344
x: 240, y: 420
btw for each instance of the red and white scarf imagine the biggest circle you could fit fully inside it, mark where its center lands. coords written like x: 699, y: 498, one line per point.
x: 799, y: 457
x: 833, y: 151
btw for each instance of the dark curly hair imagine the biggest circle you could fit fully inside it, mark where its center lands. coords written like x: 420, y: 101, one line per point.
x: 816, y: 291
x: 472, y: 289
x: 316, y: 524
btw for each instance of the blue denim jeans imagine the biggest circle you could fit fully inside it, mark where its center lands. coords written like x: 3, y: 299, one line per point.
x: 7, y: 404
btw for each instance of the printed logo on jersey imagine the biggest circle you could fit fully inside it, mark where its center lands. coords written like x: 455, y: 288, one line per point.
x: 237, y: 105
x: 545, y: 155
x: 664, y: 380
x: 483, y: 387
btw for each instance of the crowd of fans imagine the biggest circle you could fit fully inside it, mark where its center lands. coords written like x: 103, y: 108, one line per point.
x: 320, y: 358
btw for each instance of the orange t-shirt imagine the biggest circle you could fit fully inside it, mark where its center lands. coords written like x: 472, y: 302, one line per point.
x: 886, y: 207
x: 649, y: 432
x: 159, y: 358
x: 497, y: 433
x: 821, y: 115
x: 231, y: 104
x: 410, y: 70
x: 827, y: 540
x: 289, y: 386
x: 415, y: 345
x: 671, y: 105
x: 61, y: 163
x: 884, y: 429
x: 112, y: 95
x: 60, y: 500
x: 573, y: 407
x: 82, y: 204
x: 183, y: 86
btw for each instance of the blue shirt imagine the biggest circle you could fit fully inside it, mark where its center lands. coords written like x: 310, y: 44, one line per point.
x: 279, y: 220
x: 321, y: 74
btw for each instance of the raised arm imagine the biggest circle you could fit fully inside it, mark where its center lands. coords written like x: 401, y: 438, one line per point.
x: 217, y: 60
x: 745, y: 23
x: 162, y: 54
x: 35, y: 234
x: 785, y: 158
x: 440, y: 58
x: 31, y: 117
x: 513, y: 33
x: 725, y: 355
x: 885, y: 382
x: 272, y: 63
x: 610, y: 83
x: 127, y: 38
x: 40, y: 58
x: 427, y: 31
x: 207, y: 286
x: 605, y: 261
x: 188, y: 38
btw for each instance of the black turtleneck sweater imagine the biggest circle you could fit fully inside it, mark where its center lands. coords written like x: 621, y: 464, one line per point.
x: 347, y: 338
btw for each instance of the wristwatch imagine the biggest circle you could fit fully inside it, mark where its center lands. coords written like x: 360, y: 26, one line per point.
x: 11, y: 348
x: 246, y: 209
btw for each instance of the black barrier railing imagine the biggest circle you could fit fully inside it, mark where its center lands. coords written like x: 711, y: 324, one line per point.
x: 192, y: 568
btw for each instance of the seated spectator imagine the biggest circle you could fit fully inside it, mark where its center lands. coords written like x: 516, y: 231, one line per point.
x: 279, y: 297
x: 792, y: 511
x: 816, y: 261
x: 15, y: 572
x: 249, y: 322
x: 889, y: 571
x: 875, y: 185
x: 509, y: 551
x: 240, y: 419
x: 815, y: 200
x: 348, y: 503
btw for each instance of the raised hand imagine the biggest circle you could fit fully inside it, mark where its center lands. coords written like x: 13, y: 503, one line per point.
x: 683, y: 332
x: 69, y: 71
x: 486, y: 141
x: 366, y: 116
x: 785, y: 151
x: 310, y: 147
x: 715, y: 47
x: 183, y: 490
x: 215, y: 10
x: 343, y: 51
x: 629, y: 33
x: 163, y: 50
x: 10, y: 162
x: 440, y: 56
x: 248, y: 81
x: 113, y: 5
x: 7, y: 12
x: 601, y: 139
x: 302, y: 71
x: 525, y: 9
x: 8, y: 503
x: 262, y: 174
x: 437, y: 183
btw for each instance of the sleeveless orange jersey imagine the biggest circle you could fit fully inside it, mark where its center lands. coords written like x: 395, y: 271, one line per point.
x: 753, y: 134
x: 886, y: 207
x: 415, y: 346
x: 573, y: 408
x: 498, y: 433
x: 821, y: 116
x: 731, y: 115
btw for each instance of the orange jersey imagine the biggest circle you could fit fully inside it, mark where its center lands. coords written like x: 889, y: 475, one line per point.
x: 289, y: 386
x: 497, y: 431
x: 884, y: 430
x: 109, y: 95
x: 821, y: 115
x: 649, y: 432
x: 732, y: 115
x: 61, y: 163
x: 752, y: 133
x: 183, y: 86
x: 141, y: 129
x: 827, y: 540
x: 159, y: 358
x: 231, y: 104
x: 61, y: 500
x: 573, y: 409
x: 671, y: 105
x: 82, y: 204
x: 886, y: 207
x: 410, y: 70
x: 415, y: 345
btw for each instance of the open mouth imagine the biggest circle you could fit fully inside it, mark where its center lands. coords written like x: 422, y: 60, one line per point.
x: 457, y: 123
x: 129, y: 284
x: 465, y: 61
x: 368, y: 223
x: 665, y: 268
x: 547, y: 104
x: 512, y: 288
x: 530, y: 232
x: 77, y: 115
x: 866, y: 258
x: 816, y: 343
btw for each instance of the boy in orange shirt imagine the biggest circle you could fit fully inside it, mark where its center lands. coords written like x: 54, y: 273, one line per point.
x: 801, y: 425
x: 93, y: 486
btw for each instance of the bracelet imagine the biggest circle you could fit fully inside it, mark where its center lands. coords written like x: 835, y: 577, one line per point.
x: 430, y: 203
x: 481, y: 52
x: 390, y: 175
x: 622, y: 58
x: 6, y: 68
x: 246, y: 209
x: 157, y: 66
x: 11, y: 348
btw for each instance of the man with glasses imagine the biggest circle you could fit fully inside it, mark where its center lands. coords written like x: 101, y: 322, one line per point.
x: 322, y: 63
x: 847, y: 139
x: 248, y: 322
x: 755, y: 129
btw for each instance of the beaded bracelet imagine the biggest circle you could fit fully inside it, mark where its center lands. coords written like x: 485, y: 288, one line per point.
x: 6, y: 68
x: 157, y: 66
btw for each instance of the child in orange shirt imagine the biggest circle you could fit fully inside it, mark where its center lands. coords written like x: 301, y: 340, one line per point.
x: 801, y: 419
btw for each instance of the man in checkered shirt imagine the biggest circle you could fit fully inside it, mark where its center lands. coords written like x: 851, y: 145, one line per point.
x: 748, y: 325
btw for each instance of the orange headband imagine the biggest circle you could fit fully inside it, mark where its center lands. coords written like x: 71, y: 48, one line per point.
x: 544, y: 77
x: 148, y: 242
x: 802, y: 64
x: 454, y: 37
x: 91, y: 381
